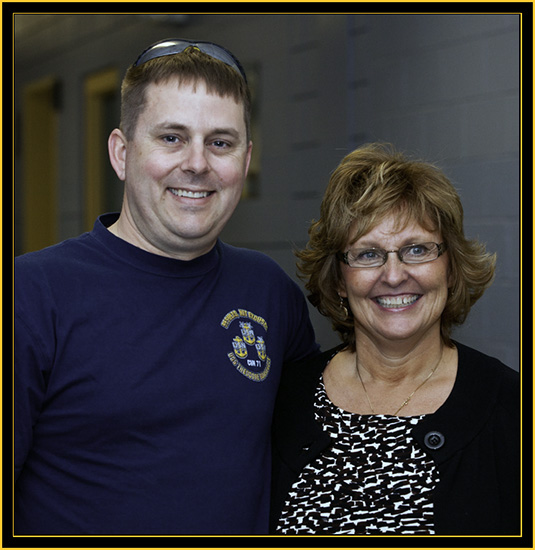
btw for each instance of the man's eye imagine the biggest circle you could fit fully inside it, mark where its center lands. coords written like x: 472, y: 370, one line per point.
x: 220, y: 144
x: 170, y: 139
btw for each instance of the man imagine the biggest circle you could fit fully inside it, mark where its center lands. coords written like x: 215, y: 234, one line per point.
x: 147, y: 352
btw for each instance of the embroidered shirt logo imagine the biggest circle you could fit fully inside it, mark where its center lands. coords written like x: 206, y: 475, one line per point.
x: 249, y: 353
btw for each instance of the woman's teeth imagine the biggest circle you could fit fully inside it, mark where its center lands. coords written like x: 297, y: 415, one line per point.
x: 397, y: 301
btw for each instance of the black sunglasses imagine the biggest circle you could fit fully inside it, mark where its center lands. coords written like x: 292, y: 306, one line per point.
x: 171, y: 46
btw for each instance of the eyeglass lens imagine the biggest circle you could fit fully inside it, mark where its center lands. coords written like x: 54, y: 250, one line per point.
x: 410, y: 254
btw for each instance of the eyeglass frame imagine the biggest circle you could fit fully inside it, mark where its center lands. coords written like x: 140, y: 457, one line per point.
x: 215, y: 51
x: 441, y: 248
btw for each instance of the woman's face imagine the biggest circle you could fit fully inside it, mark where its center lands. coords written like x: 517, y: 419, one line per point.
x: 397, y: 301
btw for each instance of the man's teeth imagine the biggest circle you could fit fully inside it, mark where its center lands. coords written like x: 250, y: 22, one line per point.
x: 189, y: 194
x: 397, y: 301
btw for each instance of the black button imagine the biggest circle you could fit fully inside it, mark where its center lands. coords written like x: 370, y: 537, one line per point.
x: 434, y: 440
x: 305, y: 448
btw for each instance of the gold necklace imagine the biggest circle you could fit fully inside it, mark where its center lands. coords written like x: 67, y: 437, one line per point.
x: 410, y: 396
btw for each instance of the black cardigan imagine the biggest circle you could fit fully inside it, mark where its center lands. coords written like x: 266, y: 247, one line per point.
x: 474, y: 439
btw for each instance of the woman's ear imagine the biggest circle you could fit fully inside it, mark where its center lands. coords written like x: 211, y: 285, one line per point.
x: 117, y: 151
x: 341, y: 295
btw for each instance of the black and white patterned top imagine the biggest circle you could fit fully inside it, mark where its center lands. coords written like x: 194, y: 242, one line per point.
x: 374, y: 480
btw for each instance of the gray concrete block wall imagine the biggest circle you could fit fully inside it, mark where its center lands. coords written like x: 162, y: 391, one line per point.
x: 445, y: 87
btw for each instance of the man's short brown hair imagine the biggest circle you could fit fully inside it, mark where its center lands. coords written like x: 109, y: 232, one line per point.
x: 188, y: 67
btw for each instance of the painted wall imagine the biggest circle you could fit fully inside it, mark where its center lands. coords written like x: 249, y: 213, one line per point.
x: 445, y: 87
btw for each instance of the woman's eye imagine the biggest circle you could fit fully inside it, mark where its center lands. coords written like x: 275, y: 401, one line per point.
x: 418, y: 250
x: 368, y: 255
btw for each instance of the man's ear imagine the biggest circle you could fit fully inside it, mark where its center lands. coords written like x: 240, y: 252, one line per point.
x: 117, y: 150
x: 248, y: 157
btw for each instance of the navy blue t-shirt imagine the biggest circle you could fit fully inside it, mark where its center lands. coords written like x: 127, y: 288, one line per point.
x: 144, y: 387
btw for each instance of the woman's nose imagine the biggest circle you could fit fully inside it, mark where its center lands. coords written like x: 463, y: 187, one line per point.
x: 395, y: 271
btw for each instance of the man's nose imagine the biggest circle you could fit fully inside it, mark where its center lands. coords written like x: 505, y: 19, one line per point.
x: 194, y: 158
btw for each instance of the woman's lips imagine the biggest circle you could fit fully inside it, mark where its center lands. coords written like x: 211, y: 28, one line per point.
x: 396, y: 302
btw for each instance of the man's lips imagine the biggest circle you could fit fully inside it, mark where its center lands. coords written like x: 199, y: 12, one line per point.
x: 396, y: 302
x: 190, y: 194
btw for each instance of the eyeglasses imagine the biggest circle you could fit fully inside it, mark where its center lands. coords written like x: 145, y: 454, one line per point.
x: 419, y: 253
x: 171, y: 46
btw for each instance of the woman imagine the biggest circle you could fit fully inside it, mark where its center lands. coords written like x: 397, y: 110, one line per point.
x: 400, y: 430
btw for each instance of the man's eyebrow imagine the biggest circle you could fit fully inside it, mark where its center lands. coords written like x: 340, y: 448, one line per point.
x: 226, y: 131
x: 168, y: 126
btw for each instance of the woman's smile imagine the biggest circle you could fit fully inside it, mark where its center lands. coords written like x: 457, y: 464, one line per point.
x: 397, y: 302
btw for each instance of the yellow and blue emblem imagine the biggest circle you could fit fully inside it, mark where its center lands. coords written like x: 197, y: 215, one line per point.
x: 249, y: 351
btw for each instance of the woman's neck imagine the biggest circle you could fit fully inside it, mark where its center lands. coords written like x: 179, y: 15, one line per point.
x: 394, y: 361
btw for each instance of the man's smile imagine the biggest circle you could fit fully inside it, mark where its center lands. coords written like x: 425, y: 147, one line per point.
x: 190, y: 194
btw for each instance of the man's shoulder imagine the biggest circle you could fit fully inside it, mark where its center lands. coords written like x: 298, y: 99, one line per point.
x: 245, y: 253
x: 57, y: 257
x: 251, y: 259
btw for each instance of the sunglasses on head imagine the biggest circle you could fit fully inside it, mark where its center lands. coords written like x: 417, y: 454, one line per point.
x: 171, y: 46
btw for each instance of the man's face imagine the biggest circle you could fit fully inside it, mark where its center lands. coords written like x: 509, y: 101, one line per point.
x: 184, y: 169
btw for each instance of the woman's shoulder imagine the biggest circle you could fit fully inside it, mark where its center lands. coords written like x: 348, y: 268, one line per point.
x: 479, y: 360
x: 301, y: 377
x: 311, y: 365
x: 488, y: 374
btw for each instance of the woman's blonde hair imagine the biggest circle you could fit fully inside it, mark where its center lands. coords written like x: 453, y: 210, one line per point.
x: 368, y: 184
